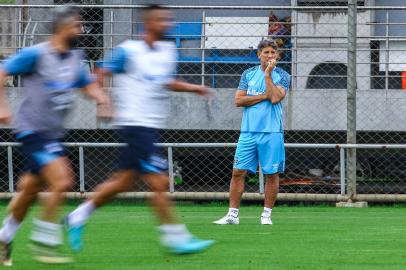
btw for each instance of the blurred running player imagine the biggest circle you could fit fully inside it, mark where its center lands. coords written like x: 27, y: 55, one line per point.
x: 144, y: 71
x: 51, y: 73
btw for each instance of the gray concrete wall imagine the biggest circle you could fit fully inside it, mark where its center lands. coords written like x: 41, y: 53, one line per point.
x: 83, y: 112
x: 311, y: 110
x: 7, y: 42
x: 36, y: 27
x: 121, y: 27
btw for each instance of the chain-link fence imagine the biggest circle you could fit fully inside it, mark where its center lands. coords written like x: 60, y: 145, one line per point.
x: 215, y: 44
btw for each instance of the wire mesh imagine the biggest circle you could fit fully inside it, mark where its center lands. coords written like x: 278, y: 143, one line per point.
x: 215, y: 45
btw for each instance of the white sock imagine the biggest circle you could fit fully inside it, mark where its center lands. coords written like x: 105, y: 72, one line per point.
x: 267, y: 212
x: 79, y: 216
x: 47, y: 233
x: 174, y: 234
x: 233, y: 212
x: 9, y: 229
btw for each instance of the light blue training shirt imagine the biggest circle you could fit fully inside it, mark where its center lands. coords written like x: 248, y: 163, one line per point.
x: 263, y: 116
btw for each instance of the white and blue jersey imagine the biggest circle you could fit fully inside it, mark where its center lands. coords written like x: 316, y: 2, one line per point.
x: 261, y: 139
x: 141, y: 75
x: 49, y: 81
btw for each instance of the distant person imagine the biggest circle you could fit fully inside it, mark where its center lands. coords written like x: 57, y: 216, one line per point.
x: 260, y: 92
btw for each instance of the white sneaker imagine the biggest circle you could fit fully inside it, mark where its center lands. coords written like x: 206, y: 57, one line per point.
x: 266, y: 220
x: 228, y: 220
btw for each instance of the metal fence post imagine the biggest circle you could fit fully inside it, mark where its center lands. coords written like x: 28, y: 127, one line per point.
x: 202, y: 45
x: 261, y: 180
x: 20, y: 32
x: 10, y: 169
x: 351, y: 98
x: 387, y: 51
x: 111, y: 28
x: 342, y: 171
x: 170, y: 170
x: 81, y: 170
x: 289, y: 99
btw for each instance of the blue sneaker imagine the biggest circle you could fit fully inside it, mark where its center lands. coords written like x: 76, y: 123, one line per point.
x: 74, y: 235
x: 194, y: 245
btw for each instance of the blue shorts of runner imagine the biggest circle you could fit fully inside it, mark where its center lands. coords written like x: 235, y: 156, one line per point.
x: 141, y: 154
x: 265, y: 148
x: 38, y: 150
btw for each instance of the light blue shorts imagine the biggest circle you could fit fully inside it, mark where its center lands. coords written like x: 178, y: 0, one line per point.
x: 264, y: 147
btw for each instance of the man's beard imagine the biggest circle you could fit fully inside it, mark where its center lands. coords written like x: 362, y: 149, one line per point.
x: 161, y: 36
x: 74, y: 42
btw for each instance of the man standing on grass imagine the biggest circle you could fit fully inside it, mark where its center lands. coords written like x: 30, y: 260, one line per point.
x: 51, y: 72
x: 260, y: 92
x: 143, y: 73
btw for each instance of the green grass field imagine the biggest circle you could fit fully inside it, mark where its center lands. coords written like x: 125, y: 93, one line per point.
x: 122, y: 236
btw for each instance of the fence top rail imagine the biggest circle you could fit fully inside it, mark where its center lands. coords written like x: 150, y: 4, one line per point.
x: 259, y: 7
x: 227, y: 145
x: 309, y: 8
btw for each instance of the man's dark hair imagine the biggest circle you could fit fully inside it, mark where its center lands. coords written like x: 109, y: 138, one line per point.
x: 153, y: 7
x: 146, y: 10
x: 267, y: 43
x: 62, y: 15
